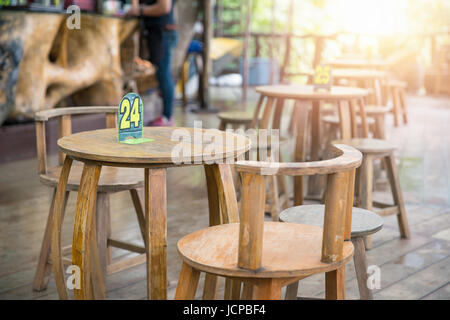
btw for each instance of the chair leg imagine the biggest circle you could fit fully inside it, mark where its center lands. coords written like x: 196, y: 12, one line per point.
x: 187, y: 283
x: 292, y: 291
x: 232, y: 289
x: 44, y: 268
x: 335, y: 284
x: 210, y: 287
x: 98, y: 249
x: 359, y: 259
x: 391, y: 168
x: 102, y: 221
x: 273, y: 191
x: 138, y: 199
x: 267, y: 289
x: 247, y: 291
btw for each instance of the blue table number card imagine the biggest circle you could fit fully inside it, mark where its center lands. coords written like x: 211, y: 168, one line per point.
x: 131, y: 118
x: 323, y: 79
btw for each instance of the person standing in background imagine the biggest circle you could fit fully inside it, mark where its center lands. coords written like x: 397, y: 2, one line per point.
x: 160, y: 30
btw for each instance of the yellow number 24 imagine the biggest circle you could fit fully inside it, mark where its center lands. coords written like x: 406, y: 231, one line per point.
x: 135, y: 117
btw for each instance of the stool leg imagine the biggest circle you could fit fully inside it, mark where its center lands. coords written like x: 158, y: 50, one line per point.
x: 365, y: 183
x: 396, y: 106
x: 222, y: 125
x: 391, y: 168
x: 187, y: 283
x: 44, y: 268
x: 335, y: 284
x: 292, y: 291
x: 365, y: 189
x: 403, y: 106
x: 359, y: 259
x: 380, y: 129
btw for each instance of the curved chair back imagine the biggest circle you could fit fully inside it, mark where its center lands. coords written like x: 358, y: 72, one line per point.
x: 340, y: 171
x: 64, y: 116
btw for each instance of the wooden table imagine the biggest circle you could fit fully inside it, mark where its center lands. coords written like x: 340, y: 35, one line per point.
x: 303, y: 95
x: 364, y: 78
x: 100, y: 148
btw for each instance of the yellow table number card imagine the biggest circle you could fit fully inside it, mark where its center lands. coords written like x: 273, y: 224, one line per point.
x: 131, y: 119
x: 323, y: 79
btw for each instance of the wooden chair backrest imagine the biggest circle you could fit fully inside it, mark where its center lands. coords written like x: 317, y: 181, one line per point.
x: 340, y: 172
x: 64, y: 116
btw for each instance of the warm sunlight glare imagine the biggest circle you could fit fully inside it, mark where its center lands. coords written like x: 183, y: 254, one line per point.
x: 374, y: 17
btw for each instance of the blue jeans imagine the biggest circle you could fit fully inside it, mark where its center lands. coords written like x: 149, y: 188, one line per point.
x: 163, y: 73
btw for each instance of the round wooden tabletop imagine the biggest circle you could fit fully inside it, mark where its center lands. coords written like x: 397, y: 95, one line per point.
x: 358, y: 74
x: 169, y: 146
x: 306, y: 92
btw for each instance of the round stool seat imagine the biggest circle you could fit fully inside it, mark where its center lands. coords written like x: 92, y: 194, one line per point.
x: 368, y: 145
x: 112, y: 179
x: 334, y: 120
x: 289, y: 250
x: 364, y: 222
x: 241, y: 117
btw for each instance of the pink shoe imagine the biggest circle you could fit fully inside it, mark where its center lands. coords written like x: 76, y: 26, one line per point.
x: 163, y: 122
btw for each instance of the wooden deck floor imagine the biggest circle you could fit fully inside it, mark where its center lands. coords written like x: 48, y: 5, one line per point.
x: 418, y: 268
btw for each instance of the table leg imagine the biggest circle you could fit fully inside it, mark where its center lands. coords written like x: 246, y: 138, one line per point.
x: 156, y: 226
x: 82, y: 233
x: 313, y: 181
x: 58, y: 210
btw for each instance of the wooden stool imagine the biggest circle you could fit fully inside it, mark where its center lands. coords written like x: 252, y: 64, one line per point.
x: 397, y: 89
x: 266, y: 256
x: 378, y: 113
x: 375, y: 149
x: 364, y: 223
x: 235, y: 119
x: 111, y: 180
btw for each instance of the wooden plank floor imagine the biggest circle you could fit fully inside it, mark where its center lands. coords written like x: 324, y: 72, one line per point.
x: 418, y: 268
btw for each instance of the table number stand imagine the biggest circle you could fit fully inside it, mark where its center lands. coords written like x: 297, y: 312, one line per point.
x: 131, y: 118
x: 323, y: 79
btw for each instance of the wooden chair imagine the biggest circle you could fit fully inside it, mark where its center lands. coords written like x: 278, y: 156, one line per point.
x: 364, y: 223
x: 266, y: 256
x: 373, y: 149
x: 112, y: 180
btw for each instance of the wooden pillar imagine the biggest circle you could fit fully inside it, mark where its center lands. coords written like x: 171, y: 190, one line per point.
x: 246, y: 50
x: 207, y: 37
x: 288, y: 42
